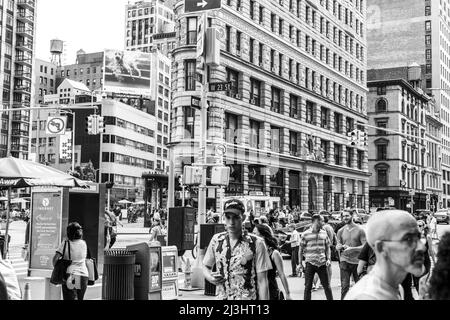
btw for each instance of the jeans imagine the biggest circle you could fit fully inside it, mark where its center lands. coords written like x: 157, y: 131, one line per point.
x: 347, y: 270
x: 310, y: 271
x: 75, y: 294
x: 294, y: 260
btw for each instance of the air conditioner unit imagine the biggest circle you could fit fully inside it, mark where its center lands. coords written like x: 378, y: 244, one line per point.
x: 237, y: 96
x: 238, y: 53
x: 239, y: 9
x: 261, y: 64
x: 261, y: 22
x: 292, y: 79
x: 274, y: 69
x: 281, y: 2
x: 253, y: 101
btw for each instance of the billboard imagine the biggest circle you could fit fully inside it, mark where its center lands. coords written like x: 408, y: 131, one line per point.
x: 127, y: 72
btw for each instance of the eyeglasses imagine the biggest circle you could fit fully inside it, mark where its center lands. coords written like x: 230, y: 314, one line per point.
x: 411, y: 240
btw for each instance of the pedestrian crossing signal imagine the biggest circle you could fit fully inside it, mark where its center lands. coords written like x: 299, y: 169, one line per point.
x: 353, y: 137
x: 101, y: 124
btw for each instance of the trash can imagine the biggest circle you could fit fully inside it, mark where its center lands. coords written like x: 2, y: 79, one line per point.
x: 118, y: 275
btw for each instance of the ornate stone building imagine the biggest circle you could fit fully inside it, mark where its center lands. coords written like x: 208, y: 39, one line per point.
x: 298, y: 71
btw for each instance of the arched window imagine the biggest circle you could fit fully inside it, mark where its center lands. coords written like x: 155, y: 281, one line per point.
x: 381, y: 105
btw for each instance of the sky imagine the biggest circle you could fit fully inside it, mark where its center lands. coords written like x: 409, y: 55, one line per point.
x: 91, y: 25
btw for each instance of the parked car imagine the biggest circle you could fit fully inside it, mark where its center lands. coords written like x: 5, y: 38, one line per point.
x: 336, y: 215
x: 442, y: 216
x: 385, y: 208
x: 421, y: 214
x: 306, y: 216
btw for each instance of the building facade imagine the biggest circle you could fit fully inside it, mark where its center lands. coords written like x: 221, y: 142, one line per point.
x: 149, y: 26
x: 405, y: 162
x: 16, y: 74
x: 44, y: 80
x: 298, y: 71
x: 417, y: 31
x: 88, y: 69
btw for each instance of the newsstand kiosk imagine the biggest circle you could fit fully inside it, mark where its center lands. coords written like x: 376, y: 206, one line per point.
x: 52, y: 209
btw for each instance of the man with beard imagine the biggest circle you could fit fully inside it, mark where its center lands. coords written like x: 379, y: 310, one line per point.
x: 396, y: 240
x: 350, y: 240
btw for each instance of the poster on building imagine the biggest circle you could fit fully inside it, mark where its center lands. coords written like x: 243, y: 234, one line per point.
x: 127, y: 72
x: 46, y: 216
x: 65, y: 146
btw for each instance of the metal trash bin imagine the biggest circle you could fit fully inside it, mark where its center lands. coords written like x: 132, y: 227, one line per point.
x: 118, y: 275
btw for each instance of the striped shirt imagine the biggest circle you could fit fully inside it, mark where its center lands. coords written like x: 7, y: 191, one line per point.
x: 314, y: 246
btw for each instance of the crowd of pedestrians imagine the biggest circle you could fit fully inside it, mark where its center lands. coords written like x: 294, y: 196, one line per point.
x: 392, y: 258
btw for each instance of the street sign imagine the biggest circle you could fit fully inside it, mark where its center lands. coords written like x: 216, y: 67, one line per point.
x: 201, y: 5
x: 412, y: 192
x: 196, y: 102
x: 56, y: 125
x: 220, y: 86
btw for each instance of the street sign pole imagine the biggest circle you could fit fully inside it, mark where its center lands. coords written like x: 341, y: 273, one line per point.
x: 197, y: 277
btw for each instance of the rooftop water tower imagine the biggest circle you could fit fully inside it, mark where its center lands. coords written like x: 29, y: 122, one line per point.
x: 56, y: 49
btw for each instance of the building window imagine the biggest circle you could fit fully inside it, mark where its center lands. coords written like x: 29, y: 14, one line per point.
x: 428, y: 11
x: 255, y: 92
x: 190, y: 68
x: 324, y: 117
x: 233, y: 77
x: 360, y: 159
x: 276, y: 100
x: 428, y: 25
x: 428, y: 68
x: 254, y: 134
x: 428, y: 40
x: 381, y: 152
x: 381, y: 91
x: 309, y: 112
x: 428, y: 54
x: 231, y: 128
x: 382, y: 178
x: 238, y: 42
x: 381, y: 124
x: 227, y: 38
x: 275, y: 138
x: 189, y: 122
x: 337, y: 154
x: 294, y: 107
x: 191, y: 37
x: 349, y: 154
x: 381, y: 106
x: 293, y: 143
x: 337, y: 122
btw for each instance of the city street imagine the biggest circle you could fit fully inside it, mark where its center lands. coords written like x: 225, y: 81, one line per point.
x: 131, y: 233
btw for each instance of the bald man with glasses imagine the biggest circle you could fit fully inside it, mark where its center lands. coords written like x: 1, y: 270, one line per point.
x: 396, y: 240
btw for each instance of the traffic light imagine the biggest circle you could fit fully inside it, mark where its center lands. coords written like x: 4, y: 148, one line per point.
x: 353, y: 137
x: 364, y: 139
x: 109, y: 185
x: 89, y: 125
x: 101, y: 124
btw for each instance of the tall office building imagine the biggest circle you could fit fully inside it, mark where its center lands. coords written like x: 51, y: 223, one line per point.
x: 298, y: 75
x: 149, y: 26
x: 404, y: 32
x: 17, y: 21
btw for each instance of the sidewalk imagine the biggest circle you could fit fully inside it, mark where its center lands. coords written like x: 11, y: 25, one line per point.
x: 132, y: 228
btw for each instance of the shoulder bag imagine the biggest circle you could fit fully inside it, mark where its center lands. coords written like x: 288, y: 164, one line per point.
x: 59, y: 271
x: 91, y: 264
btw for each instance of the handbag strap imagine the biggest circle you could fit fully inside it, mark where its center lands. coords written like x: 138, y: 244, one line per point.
x: 68, y: 241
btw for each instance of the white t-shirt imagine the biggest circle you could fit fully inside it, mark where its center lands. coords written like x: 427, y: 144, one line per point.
x: 78, y: 253
x: 371, y: 287
x: 295, y: 236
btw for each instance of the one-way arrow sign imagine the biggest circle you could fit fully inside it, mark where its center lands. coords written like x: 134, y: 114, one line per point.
x: 201, y: 5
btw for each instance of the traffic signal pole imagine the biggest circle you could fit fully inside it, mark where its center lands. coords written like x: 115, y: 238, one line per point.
x: 198, y: 279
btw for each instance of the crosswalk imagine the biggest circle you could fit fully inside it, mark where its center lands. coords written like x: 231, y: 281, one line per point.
x: 18, y: 263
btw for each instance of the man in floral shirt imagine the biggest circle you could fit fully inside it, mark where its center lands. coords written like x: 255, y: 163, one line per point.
x: 241, y: 259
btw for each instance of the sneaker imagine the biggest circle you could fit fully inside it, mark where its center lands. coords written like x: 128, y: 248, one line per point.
x: 314, y: 288
x: 292, y: 275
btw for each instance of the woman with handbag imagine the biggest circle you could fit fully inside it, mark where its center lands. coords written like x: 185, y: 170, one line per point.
x: 75, y: 250
x: 271, y: 242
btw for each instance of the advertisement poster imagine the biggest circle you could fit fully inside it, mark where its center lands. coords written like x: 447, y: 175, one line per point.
x: 45, y: 228
x: 127, y: 72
